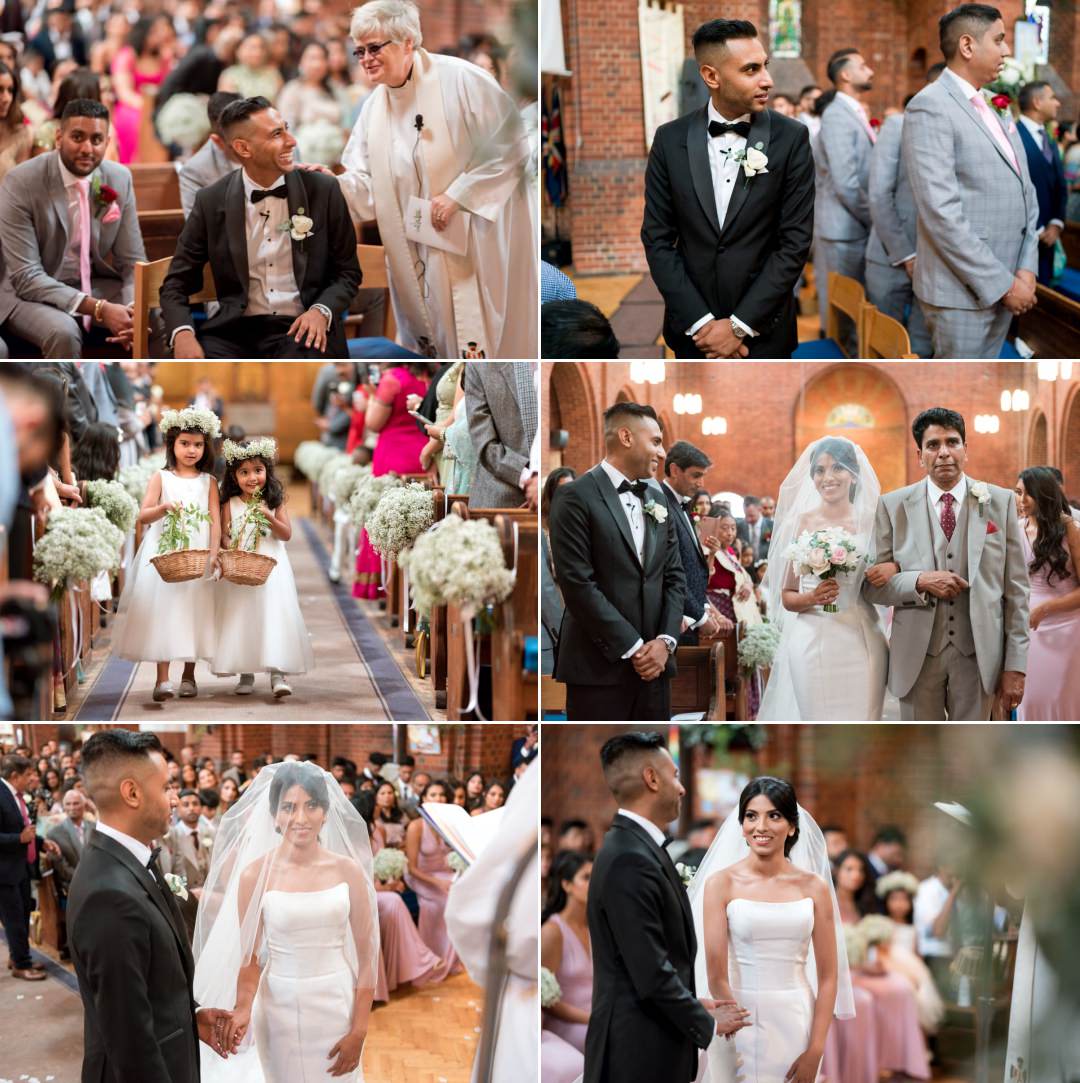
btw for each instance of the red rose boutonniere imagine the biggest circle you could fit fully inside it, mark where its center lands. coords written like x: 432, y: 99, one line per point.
x: 875, y: 123
x: 1001, y: 102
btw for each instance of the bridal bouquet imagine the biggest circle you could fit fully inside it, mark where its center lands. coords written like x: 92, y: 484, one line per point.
x: 113, y: 499
x: 79, y: 543
x: 456, y: 862
x: 389, y: 864
x: 825, y: 553
x: 402, y: 514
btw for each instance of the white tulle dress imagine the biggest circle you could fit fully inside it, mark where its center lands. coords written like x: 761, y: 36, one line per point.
x: 168, y: 622
x: 261, y: 628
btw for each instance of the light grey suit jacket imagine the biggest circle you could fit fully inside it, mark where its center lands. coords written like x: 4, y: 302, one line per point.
x: 499, y: 434
x: 207, y: 165
x: 64, y: 835
x: 892, y: 206
x: 977, y: 214
x: 34, y: 235
x: 842, y: 163
x: 997, y: 577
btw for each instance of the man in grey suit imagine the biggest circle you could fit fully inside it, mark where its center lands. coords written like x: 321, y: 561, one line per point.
x: 502, y: 405
x: 976, y: 206
x: 842, y: 161
x: 756, y: 528
x: 71, y: 835
x: 69, y: 241
x: 960, y: 617
x: 890, y: 252
x: 213, y: 160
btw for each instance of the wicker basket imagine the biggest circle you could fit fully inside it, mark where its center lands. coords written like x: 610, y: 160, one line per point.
x: 181, y: 565
x: 246, y: 569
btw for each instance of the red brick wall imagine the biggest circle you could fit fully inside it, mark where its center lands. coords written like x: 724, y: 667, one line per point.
x: 774, y: 410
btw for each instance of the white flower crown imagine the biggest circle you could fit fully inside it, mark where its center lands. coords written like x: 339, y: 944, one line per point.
x: 897, y: 880
x: 263, y: 447
x: 191, y: 418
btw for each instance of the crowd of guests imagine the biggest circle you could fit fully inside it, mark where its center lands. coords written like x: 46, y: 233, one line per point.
x: 46, y: 805
x: 903, y: 985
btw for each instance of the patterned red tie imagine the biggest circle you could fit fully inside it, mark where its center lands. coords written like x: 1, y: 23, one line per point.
x: 948, y: 516
x: 31, y: 846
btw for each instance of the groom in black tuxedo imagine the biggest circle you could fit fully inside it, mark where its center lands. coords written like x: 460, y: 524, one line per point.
x: 725, y: 248
x: 283, y: 292
x: 647, y: 1023
x: 126, y: 930
x: 617, y: 561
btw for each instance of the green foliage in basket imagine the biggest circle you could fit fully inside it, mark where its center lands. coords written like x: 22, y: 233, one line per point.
x: 177, y: 527
x: 78, y: 544
x: 113, y: 499
x: 252, y: 526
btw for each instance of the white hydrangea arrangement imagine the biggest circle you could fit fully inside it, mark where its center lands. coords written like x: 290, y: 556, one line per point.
x: 897, y: 880
x: 390, y: 864
x: 366, y: 495
x: 550, y: 991
x: 329, y: 471
x: 758, y: 647
x: 456, y: 862
x: 191, y: 419
x: 321, y: 142
x: 262, y: 447
x: 457, y: 562
x: 310, y: 457
x: 113, y: 499
x: 182, y: 120
x: 400, y: 517
x: 345, y: 481
x: 876, y: 929
x: 79, y: 543
x: 135, y: 479
x: 856, y: 945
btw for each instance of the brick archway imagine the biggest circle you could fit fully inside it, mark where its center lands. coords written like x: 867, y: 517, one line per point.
x: 1038, y: 448
x: 861, y: 403
x: 573, y: 409
x: 1070, y: 443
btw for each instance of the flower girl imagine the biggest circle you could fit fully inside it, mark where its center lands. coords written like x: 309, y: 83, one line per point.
x: 259, y: 629
x: 168, y: 622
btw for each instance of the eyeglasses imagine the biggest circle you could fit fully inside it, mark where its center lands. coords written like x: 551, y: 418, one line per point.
x: 370, y: 50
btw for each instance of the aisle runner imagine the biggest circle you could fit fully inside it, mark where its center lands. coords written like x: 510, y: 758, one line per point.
x: 355, y: 676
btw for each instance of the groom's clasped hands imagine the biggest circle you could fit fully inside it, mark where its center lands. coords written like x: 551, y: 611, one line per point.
x: 218, y: 1030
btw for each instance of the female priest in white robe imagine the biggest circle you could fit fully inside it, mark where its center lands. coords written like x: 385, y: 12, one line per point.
x: 442, y: 129
x: 470, y: 914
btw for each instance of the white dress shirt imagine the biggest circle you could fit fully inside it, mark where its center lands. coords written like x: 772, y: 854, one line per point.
x: 934, y: 495
x: 726, y: 170
x: 139, y: 850
x: 1039, y: 133
x: 654, y: 832
x: 930, y: 900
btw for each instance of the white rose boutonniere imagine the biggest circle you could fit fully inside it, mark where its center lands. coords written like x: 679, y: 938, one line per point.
x: 981, y: 491
x: 755, y: 161
x: 177, y: 885
x: 657, y: 511
x: 206, y: 842
x: 299, y: 226
x: 686, y: 873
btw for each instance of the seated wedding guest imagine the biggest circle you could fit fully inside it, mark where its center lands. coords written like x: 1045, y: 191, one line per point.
x: 836, y: 841
x: 565, y: 950
x: 213, y: 160
x: 503, y: 405
x: 474, y: 790
x: 63, y: 284
x: 887, y: 852
x: 494, y: 797
x: 551, y: 603
x: 576, y: 328
x: 574, y: 835
x: 389, y: 819
x: 71, y: 836
x: 730, y: 588
x: 15, y: 136
x: 934, y: 909
x: 430, y: 877
x: 228, y: 795
x: 200, y: 68
x: 458, y: 788
x: 309, y: 98
x: 420, y: 782
x: 1051, y: 539
x: 281, y: 292
x: 403, y: 784
x: 60, y: 38
x: 254, y: 74
x: 463, y: 148
x: 79, y: 83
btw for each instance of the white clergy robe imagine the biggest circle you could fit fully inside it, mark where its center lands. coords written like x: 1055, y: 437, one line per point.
x: 473, y: 148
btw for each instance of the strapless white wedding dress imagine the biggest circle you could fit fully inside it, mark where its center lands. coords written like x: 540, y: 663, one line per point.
x: 305, y: 1000
x: 768, y: 945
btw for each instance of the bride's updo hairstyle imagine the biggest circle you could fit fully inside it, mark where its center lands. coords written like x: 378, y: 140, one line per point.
x: 309, y: 777
x: 843, y: 452
x: 781, y: 794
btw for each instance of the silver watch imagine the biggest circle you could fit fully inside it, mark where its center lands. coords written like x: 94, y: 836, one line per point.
x: 736, y: 330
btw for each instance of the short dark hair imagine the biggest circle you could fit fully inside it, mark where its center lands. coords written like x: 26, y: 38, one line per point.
x: 837, y: 62
x: 786, y: 97
x: 970, y: 19
x: 85, y: 107
x: 407, y: 761
x: 210, y: 798
x: 616, y: 749
x: 937, y: 415
x: 189, y: 792
x: 1026, y: 98
x: 241, y: 111
x: 576, y: 329
x: 755, y: 500
x: 377, y: 758
x: 721, y: 31
x: 572, y: 825
x: 14, y: 764
x: 890, y: 833
x: 108, y: 748
x: 684, y: 455
x: 626, y: 410
x: 806, y: 89
x: 217, y: 104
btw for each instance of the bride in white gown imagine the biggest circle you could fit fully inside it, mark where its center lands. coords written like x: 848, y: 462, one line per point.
x: 770, y: 937
x: 287, y: 932
x: 829, y: 667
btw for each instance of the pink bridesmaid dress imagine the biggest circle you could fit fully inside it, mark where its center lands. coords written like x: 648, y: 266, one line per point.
x: 1052, y: 688
x: 127, y: 120
x: 562, y: 1045
x: 396, y: 452
x: 901, y: 1045
x: 433, y: 853
x: 851, y: 1054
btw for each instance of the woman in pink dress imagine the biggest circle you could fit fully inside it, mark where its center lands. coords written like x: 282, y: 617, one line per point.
x: 397, y: 451
x: 144, y: 61
x: 430, y: 877
x: 1051, y: 540
x: 901, y: 1044
x: 565, y: 950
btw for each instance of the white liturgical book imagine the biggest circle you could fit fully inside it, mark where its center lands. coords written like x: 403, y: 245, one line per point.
x: 419, y: 230
x: 467, y: 835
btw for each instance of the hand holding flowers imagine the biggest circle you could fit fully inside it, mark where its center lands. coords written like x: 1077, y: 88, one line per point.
x: 825, y: 553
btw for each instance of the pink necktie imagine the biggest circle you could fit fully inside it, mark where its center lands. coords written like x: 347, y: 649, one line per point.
x: 948, y: 516
x: 84, y: 242
x: 31, y: 846
x: 869, y: 126
x: 996, y: 130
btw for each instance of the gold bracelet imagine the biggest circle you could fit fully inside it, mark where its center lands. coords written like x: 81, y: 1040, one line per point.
x: 97, y: 310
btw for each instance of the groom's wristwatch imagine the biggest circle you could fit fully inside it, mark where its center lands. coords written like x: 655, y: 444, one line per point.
x: 736, y: 330
x: 669, y: 643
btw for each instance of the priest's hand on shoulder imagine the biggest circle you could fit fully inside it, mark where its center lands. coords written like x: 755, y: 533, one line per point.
x: 443, y: 208
x: 311, y: 328
x: 717, y: 339
x: 314, y: 167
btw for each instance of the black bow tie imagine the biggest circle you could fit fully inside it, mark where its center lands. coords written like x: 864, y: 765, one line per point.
x: 636, y: 487
x: 719, y: 127
x: 259, y: 194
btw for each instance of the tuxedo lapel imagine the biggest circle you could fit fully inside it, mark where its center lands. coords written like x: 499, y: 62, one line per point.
x: 758, y: 139
x: 918, y: 517
x: 58, y: 200
x: 611, y: 500
x: 236, y: 229
x: 652, y: 529
x: 298, y: 204
x: 697, y: 150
